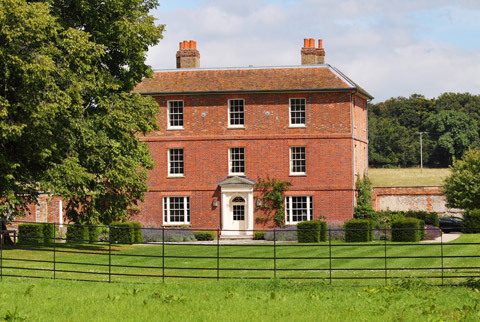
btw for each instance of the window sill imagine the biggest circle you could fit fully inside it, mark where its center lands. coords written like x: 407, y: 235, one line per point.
x: 300, y: 126
x: 298, y: 175
x: 233, y: 127
x: 175, y: 176
x: 175, y: 128
x: 236, y: 175
x: 177, y: 224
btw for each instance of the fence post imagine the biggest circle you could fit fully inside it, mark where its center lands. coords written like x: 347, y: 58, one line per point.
x: 163, y: 254
x: 330, y: 252
x: 54, y: 254
x: 385, y: 234
x: 441, y: 248
x: 218, y: 254
x: 109, y: 254
x: 274, y: 254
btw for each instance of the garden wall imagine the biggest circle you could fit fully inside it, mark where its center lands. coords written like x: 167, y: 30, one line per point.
x: 411, y: 198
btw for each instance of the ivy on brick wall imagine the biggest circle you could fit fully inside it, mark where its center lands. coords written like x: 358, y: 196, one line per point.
x: 272, y: 200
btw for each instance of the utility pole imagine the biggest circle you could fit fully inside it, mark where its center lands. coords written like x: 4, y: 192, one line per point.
x: 421, y: 150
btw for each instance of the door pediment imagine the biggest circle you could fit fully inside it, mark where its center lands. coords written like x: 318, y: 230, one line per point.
x: 236, y: 181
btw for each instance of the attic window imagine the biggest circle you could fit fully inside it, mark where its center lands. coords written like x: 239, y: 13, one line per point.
x: 236, y: 117
x: 175, y: 115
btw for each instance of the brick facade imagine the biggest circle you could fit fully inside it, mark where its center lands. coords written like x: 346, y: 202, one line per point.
x: 334, y: 138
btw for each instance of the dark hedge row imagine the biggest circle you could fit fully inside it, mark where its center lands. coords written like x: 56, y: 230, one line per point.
x: 313, y: 231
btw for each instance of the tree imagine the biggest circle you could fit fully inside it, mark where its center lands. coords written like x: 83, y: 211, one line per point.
x: 454, y: 133
x: 462, y: 187
x: 68, y: 120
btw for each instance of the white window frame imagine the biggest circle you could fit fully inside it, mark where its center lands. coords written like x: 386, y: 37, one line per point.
x: 289, y: 209
x: 235, y: 126
x: 291, y: 124
x: 175, y: 127
x: 169, y: 162
x: 292, y: 172
x: 167, y: 215
x: 230, y: 162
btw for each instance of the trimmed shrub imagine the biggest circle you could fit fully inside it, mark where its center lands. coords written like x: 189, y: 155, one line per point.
x: 31, y: 234
x: 471, y: 221
x: 358, y: 230
x: 430, y: 218
x: 178, y: 235
x: 77, y: 234
x: 259, y: 235
x: 282, y: 234
x: 313, y: 231
x: 48, y: 233
x: 407, y: 230
x: 205, y: 235
x: 93, y: 232
x: 138, y: 232
x: 122, y: 233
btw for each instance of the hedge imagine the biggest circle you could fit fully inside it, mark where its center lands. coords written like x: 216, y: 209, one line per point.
x: 48, y: 233
x: 205, y: 235
x: 430, y: 218
x: 93, y: 232
x: 122, y: 233
x: 313, y: 231
x: 407, y: 230
x: 138, y: 232
x: 471, y: 221
x: 259, y: 235
x: 358, y: 230
x: 77, y: 234
x: 30, y: 234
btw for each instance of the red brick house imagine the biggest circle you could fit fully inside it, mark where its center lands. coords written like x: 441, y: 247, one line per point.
x: 223, y: 128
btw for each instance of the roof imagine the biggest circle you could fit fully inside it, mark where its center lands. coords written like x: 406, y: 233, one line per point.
x: 250, y: 79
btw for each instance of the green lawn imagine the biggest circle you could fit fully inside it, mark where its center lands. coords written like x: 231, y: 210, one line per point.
x: 407, y: 177
x: 233, y: 300
x: 349, y: 261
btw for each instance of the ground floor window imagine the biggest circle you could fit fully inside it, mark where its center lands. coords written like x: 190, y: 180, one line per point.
x: 176, y: 210
x: 298, y: 208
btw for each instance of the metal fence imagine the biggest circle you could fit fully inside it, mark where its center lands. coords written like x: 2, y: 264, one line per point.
x: 158, y: 258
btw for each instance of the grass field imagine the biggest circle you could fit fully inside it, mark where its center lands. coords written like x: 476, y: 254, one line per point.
x: 238, y: 300
x: 407, y: 177
x: 339, y: 264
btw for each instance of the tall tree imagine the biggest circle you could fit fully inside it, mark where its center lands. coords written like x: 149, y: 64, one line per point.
x: 68, y: 121
x: 462, y: 187
x: 454, y: 132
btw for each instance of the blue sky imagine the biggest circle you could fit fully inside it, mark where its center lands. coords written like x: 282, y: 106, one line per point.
x: 389, y: 47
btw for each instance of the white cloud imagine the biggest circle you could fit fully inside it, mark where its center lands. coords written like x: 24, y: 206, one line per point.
x: 391, y: 48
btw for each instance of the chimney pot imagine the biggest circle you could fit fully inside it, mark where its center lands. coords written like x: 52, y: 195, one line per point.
x: 312, y: 43
x: 305, y: 42
x: 181, y: 45
x: 320, y: 43
x: 193, y: 44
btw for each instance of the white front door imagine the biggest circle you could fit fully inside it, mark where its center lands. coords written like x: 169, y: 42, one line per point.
x: 237, y: 211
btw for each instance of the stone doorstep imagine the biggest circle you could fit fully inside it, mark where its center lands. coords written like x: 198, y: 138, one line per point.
x: 236, y: 237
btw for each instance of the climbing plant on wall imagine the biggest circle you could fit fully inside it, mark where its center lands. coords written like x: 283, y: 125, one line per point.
x: 272, y: 199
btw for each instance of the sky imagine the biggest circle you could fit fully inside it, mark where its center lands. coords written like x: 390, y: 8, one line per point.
x: 390, y: 48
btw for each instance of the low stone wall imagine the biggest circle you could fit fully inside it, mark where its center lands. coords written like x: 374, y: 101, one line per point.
x: 411, y: 198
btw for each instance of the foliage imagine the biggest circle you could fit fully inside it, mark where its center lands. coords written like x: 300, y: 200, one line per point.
x: 407, y: 230
x: 313, y: 231
x: 282, y: 234
x: 272, y: 199
x: 259, y: 235
x: 429, y: 217
x: 30, y: 234
x: 77, y: 234
x: 451, y: 120
x: 336, y: 233
x: 358, y: 230
x: 93, y: 234
x: 122, y: 233
x: 432, y: 232
x: 365, y: 212
x: 364, y: 191
x: 48, y: 233
x: 462, y: 187
x: 205, y: 235
x: 69, y: 122
x: 471, y: 221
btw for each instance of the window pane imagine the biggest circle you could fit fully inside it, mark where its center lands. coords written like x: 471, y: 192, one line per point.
x: 176, y: 161
x: 175, y: 113
x: 298, y: 162
x: 176, y: 209
x: 297, y: 111
x: 301, y: 208
x: 238, y: 212
x: 237, y: 160
x: 236, y: 112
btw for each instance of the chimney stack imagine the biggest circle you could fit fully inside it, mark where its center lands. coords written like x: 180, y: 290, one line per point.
x: 188, y: 55
x: 312, y: 55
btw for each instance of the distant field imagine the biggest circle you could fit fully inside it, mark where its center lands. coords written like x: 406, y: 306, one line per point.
x: 407, y: 177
